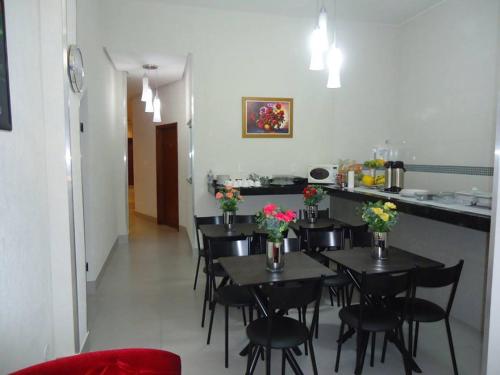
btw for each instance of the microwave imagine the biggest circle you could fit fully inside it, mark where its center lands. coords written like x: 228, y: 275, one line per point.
x: 322, y: 174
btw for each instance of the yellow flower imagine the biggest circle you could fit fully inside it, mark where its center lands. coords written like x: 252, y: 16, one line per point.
x: 384, y: 216
x: 377, y: 211
x: 389, y: 206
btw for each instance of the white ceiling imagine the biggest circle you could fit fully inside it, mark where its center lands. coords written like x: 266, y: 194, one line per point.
x: 170, y: 68
x: 379, y: 11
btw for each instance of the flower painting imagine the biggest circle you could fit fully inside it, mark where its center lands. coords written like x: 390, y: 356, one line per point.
x: 267, y: 117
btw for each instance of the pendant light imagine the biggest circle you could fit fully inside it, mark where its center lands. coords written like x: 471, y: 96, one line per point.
x: 319, y: 42
x: 334, y: 57
x: 145, y: 88
x: 147, y: 92
x: 156, y: 108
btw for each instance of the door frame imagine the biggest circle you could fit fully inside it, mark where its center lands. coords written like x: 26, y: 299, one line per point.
x: 159, y: 201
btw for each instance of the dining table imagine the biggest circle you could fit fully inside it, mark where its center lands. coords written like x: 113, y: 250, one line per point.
x: 354, y: 262
x: 250, y: 271
x: 220, y: 231
x: 321, y: 223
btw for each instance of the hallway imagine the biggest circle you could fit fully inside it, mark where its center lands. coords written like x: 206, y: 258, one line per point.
x: 145, y: 299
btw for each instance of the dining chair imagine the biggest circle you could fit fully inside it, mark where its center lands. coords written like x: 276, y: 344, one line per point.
x: 283, y: 332
x: 372, y: 315
x: 359, y: 236
x: 227, y: 295
x: 424, y: 311
x: 245, y: 219
x: 322, y: 214
x: 201, y: 250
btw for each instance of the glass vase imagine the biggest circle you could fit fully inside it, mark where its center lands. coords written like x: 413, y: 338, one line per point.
x: 380, y: 246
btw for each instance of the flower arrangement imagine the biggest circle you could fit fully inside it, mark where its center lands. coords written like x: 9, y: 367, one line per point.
x: 229, y: 198
x: 313, y: 194
x: 271, y: 117
x: 275, y: 221
x: 379, y: 216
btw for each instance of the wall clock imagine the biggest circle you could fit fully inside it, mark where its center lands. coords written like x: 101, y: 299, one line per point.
x: 76, y: 70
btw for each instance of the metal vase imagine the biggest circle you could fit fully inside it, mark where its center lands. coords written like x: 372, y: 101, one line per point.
x: 380, y: 246
x: 312, y: 214
x: 228, y: 217
x: 275, y: 260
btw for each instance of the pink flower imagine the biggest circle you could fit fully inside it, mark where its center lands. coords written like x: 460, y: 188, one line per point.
x: 282, y: 217
x: 219, y: 195
x: 291, y: 215
x: 229, y: 194
x: 269, y: 209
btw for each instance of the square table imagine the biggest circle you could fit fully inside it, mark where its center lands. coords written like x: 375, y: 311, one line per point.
x: 321, y: 223
x: 219, y: 231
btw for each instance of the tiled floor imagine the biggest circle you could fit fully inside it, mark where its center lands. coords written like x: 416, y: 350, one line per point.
x: 146, y: 299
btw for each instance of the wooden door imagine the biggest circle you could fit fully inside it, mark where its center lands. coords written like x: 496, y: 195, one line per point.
x: 167, y: 175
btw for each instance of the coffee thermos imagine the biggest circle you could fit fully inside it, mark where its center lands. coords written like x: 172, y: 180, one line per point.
x: 394, y: 176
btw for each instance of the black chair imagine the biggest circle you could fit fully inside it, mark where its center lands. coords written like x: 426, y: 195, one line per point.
x: 245, y: 219
x: 424, y: 311
x: 372, y: 314
x: 322, y: 214
x: 359, y: 236
x: 201, y: 250
x: 291, y: 245
x: 227, y: 295
x: 284, y: 333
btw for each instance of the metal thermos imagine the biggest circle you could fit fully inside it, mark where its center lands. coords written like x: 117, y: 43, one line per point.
x: 394, y: 176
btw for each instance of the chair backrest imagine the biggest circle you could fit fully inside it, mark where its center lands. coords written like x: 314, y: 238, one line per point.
x: 291, y: 245
x: 205, y: 220
x: 322, y: 214
x: 381, y: 286
x: 288, y: 296
x: 359, y: 236
x: 245, y: 219
x: 439, y: 278
x: 236, y: 246
x: 330, y: 239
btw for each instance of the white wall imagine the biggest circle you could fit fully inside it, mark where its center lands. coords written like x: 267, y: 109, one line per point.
x: 103, y: 143
x: 36, y: 283
x: 446, y: 91
x: 241, y: 54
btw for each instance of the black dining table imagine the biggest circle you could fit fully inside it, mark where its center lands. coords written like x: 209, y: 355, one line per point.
x: 355, y: 261
x: 250, y: 271
x: 321, y: 223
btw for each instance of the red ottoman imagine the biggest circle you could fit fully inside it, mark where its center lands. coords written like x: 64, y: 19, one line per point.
x: 111, y: 362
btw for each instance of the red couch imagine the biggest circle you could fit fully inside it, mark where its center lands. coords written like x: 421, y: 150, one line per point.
x: 111, y: 362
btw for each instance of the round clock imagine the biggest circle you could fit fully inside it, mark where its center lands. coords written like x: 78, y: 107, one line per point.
x: 75, y: 69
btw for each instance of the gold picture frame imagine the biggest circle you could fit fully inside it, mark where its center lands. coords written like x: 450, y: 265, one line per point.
x: 264, y: 117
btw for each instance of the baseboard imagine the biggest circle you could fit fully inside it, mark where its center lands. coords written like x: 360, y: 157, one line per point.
x: 93, y: 285
x: 145, y: 217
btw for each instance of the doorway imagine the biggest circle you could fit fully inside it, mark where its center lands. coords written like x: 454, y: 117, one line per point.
x: 167, y: 192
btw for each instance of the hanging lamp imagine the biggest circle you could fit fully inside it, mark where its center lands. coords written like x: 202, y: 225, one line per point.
x: 147, y: 92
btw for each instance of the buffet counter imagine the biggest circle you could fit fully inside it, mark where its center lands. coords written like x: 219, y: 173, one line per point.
x: 473, y: 217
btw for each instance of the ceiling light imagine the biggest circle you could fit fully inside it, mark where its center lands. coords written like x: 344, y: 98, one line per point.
x: 145, y: 88
x: 156, y: 108
x: 147, y: 93
x: 335, y: 59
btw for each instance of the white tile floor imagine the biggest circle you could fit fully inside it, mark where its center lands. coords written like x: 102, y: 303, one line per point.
x: 146, y: 299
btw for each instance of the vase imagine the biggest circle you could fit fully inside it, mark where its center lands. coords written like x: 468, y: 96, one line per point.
x: 275, y: 260
x: 228, y: 217
x: 380, y: 246
x: 312, y: 214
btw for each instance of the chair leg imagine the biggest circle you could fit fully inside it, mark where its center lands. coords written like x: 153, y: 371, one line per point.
x: 331, y: 295
x: 250, y: 314
x: 197, y: 270
x: 206, y: 298
x: 212, y: 313
x: 384, y: 348
x: 268, y: 360
x: 313, y: 357
x: 365, y: 337
x: 452, y: 349
x: 249, y: 358
x: 406, y: 357
x: 283, y: 362
x: 244, y: 316
x: 410, y: 337
x: 226, y: 335
x: 372, y: 357
x: 339, y: 346
x: 258, y: 351
x: 415, y: 343
x: 338, y: 297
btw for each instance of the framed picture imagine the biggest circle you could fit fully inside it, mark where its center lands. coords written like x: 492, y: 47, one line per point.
x: 5, y: 117
x: 267, y: 117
